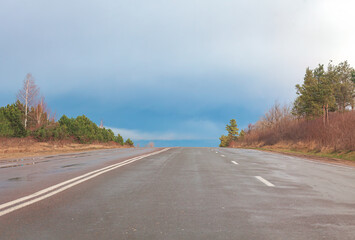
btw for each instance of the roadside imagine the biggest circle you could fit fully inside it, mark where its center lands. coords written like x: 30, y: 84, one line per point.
x: 347, y: 158
x: 11, y: 148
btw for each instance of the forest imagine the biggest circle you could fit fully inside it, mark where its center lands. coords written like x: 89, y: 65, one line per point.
x: 321, y: 118
x: 29, y: 116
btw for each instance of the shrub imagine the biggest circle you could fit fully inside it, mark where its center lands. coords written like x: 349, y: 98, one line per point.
x: 129, y: 142
x: 11, y: 122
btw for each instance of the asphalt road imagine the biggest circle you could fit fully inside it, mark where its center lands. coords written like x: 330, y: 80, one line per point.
x: 180, y: 193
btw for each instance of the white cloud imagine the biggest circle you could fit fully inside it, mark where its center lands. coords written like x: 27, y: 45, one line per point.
x: 187, y: 130
x: 135, y: 134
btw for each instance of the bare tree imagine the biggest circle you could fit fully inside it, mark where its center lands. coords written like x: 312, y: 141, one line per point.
x: 41, y: 113
x: 27, y: 95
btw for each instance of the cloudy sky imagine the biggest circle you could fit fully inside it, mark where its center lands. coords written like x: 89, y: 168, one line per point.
x: 173, y: 72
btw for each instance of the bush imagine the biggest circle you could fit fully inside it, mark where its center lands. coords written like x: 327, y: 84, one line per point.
x: 51, y: 132
x: 129, y: 142
x: 85, y: 131
x: 11, y: 122
x: 81, y: 129
x: 337, y: 135
x: 119, y: 139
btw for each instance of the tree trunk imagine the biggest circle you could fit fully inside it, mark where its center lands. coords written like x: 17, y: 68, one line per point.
x: 26, y: 102
x: 323, y: 114
x: 327, y: 113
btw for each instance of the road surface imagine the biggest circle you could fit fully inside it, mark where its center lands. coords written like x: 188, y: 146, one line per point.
x: 177, y: 193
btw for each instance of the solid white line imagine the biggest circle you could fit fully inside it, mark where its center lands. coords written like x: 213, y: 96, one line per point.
x: 235, y: 162
x: 80, y: 179
x: 266, y: 182
x: 2, y: 206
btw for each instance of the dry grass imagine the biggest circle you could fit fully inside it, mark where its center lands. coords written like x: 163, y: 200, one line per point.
x: 29, y: 147
x: 337, y: 136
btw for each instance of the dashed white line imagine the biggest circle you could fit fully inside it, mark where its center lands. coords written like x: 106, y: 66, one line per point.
x: 266, y: 182
x: 38, y: 196
x: 234, y: 162
x: 223, y: 156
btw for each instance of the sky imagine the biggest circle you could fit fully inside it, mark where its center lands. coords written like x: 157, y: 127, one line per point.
x: 171, y: 72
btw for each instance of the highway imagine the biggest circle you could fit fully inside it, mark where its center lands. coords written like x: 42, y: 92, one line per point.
x: 176, y: 193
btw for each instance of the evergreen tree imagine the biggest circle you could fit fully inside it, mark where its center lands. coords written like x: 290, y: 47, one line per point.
x: 342, y: 80
x: 224, y: 141
x: 119, y: 139
x: 129, y: 142
x: 232, y: 130
x: 315, y: 95
x: 11, y: 122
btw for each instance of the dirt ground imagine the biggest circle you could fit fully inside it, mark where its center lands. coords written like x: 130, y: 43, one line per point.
x: 29, y: 147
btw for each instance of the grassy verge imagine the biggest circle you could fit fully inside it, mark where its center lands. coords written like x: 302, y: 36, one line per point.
x: 30, y: 147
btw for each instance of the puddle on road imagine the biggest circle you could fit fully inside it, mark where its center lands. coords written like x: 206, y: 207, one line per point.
x: 71, y: 165
x: 14, y: 179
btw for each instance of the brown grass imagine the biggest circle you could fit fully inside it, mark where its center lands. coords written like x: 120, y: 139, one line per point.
x: 338, y: 135
x: 29, y: 147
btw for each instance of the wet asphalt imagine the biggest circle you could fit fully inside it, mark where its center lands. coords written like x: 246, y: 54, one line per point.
x: 183, y: 193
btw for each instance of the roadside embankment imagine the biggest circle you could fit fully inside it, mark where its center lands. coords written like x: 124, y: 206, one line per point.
x: 30, y: 147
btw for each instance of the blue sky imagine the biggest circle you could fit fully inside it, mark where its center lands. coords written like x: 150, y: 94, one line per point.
x: 172, y: 72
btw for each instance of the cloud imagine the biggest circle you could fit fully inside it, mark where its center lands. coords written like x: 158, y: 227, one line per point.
x: 183, y: 67
x: 186, y: 130
x: 141, y: 135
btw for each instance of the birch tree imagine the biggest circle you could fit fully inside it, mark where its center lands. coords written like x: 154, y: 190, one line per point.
x: 27, y: 95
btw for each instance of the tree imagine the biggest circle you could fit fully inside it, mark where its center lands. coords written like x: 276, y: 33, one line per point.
x: 41, y: 113
x: 119, y: 139
x: 10, y: 122
x: 27, y: 96
x: 315, y: 95
x: 129, y: 142
x: 232, y: 130
x: 224, y: 141
x: 242, y: 134
x: 342, y: 79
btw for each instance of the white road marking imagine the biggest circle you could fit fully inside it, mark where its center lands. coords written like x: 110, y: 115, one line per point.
x: 266, y: 182
x: 58, y: 187
x: 223, y: 156
x: 235, y: 162
x: 216, y: 152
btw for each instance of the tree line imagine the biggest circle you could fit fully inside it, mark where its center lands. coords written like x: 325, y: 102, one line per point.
x: 30, y: 116
x: 326, y: 92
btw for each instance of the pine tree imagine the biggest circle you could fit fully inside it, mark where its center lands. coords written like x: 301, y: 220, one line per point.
x: 232, y: 130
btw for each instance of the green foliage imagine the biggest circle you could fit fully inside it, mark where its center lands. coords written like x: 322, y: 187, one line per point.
x: 232, y: 130
x: 224, y: 141
x: 314, y: 94
x: 322, y: 90
x: 51, y: 132
x: 242, y: 134
x: 342, y: 79
x: 119, y: 139
x: 11, y: 122
x: 129, y: 142
x: 81, y: 129
x: 85, y: 131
